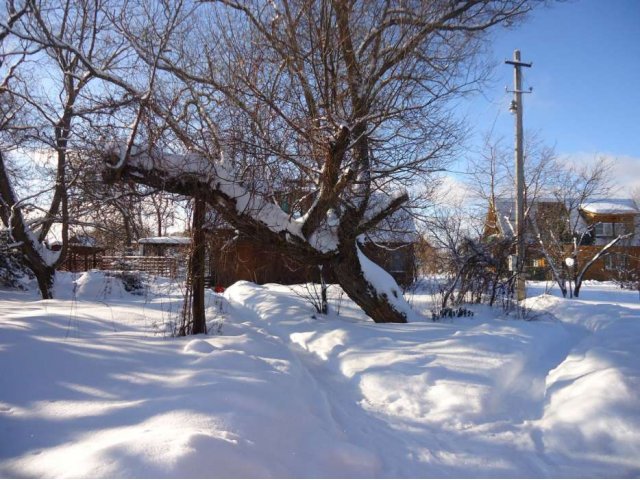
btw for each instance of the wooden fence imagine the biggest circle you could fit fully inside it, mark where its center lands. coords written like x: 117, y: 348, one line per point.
x: 163, y: 266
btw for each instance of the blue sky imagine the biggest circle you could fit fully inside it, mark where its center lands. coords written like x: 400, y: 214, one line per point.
x: 585, y: 79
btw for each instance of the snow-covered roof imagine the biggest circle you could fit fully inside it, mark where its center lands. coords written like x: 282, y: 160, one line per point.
x: 78, y: 240
x: 505, y: 210
x: 166, y: 240
x: 610, y: 206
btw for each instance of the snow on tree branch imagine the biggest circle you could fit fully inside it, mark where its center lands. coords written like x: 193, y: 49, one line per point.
x: 193, y: 174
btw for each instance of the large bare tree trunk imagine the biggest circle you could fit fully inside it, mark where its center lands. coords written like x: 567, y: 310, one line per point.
x: 374, y: 303
x: 346, y: 261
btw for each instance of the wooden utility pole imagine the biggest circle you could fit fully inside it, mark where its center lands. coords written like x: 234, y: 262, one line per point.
x: 516, y: 105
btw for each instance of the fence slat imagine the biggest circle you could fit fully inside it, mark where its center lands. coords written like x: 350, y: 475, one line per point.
x: 162, y: 266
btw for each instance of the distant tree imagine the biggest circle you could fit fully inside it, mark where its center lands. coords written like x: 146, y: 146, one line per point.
x: 491, y: 180
x: 473, y: 266
x: 115, y: 214
x: 554, y: 194
x: 56, y: 112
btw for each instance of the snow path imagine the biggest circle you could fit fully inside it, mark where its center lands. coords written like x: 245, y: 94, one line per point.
x: 88, y: 392
x: 337, y: 394
x: 396, y: 407
x: 367, y: 465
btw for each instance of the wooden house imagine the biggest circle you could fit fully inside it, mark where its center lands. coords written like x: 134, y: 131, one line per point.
x: 232, y: 257
x: 164, y: 256
x: 596, y: 222
x: 606, y: 219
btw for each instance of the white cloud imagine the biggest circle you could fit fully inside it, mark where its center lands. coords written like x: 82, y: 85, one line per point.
x: 625, y: 173
x: 452, y: 191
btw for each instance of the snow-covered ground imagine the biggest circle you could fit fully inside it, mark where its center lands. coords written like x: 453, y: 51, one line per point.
x: 91, y: 385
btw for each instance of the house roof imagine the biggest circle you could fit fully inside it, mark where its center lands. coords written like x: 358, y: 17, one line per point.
x: 505, y: 209
x: 83, y: 241
x: 165, y: 241
x: 610, y: 206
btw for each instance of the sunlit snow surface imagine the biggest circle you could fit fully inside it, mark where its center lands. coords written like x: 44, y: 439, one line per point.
x: 91, y: 386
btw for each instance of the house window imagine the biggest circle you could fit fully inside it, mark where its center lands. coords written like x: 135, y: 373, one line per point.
x: 539, y: 263
x: 604, y: 229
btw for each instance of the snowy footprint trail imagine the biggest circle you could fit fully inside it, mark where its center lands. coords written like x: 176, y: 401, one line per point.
x: 122, y: 402
x: 361, y: 432
x: 457, y: 399
x: 591, y: 419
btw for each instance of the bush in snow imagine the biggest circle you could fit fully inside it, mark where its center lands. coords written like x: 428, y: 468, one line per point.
x: 626, y: 273
x: 450, y: 313
x: 132, y: 281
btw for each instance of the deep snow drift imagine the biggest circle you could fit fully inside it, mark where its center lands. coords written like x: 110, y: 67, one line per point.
x: 91, y: 385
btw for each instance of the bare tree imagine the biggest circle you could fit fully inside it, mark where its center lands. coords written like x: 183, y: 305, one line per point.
x: 554, y: 196
x: 115, y: 215
x: 162, y: 207
x: 346, y: 98
x: 57, y: 109
x: 36, y: 255
x: 475, y: 266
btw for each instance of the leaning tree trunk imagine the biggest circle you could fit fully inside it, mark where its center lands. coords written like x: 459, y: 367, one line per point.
x: 45, y: 276
x: 383, y: 303
x: 375, y: 304
x: 356, y: 279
